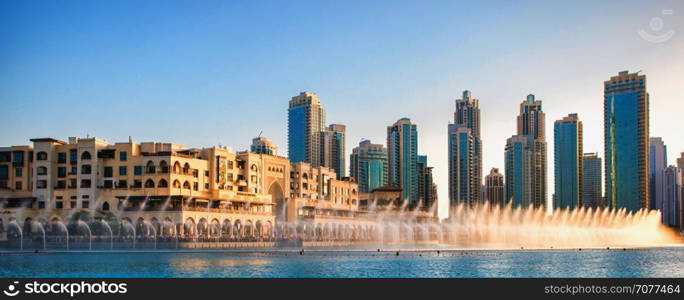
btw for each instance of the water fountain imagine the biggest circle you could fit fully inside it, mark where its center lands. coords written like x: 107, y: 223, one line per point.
x: 42, y: 230
x: 128, y: 225
x: 66, y: 231
x: 14, y: 224
x: 149, y: 225
x: 80, y: 224
x: 111, y: 233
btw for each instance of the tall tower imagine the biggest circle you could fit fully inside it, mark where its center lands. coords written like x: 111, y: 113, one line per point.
x: 657, y: 164
x: 568, y: 162
x: 402, y: 159
x: 368, y: 164
x: 305, y: 121
x: 626, y: 141
x: 465, y: 153
x: 494, y: 188
x: 591, y: 181
x: 526, y: 157
x: 332, y: 149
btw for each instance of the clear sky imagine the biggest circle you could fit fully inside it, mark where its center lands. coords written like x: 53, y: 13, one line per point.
x: 204, y: 73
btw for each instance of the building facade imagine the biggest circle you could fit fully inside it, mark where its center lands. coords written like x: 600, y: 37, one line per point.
x: 426, y: 184
x: 494, y: 188
x: 368, y: 165
x: 626, y: 138
x: 591, y: 181
x: 465, y: 153
x: 262, y: 145
x: 305, y: 121
x: 568, y: 164
x: 671, y: 206
x: 657, y: 165
x: 525, y: 157
x: 402, y: 159
x: 333, y: 149
x: 198, y: 194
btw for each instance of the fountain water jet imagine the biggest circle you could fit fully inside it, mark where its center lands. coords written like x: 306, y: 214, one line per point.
x: 80, y: 224
x: 14, y: 223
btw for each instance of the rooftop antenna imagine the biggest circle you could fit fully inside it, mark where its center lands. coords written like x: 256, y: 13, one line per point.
x: 260, y: 132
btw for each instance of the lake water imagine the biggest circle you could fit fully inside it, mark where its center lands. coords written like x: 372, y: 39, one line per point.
x: 657, y: 262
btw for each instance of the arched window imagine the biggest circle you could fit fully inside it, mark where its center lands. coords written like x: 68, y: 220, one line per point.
x: 186, y: 168
x: 42, y: 170
x: 85, y: 155
x: 186, y: 185
x: 163, y: 183
x: 176, y: 184
x: 41, y: 155
x: 105, y: 206
x: 176, y: 168
x: 150, y: 167
x: 164, y: 166
x: 149, y: 183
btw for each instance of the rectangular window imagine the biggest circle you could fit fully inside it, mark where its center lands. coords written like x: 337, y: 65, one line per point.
x: 206, y: 186
x: 86, y: 169
x: 17, y: 186
x: 137, y: 170
x: 123, y: 156
x: 4, y: 172
x: 5, y: 156
x: 61, y: 172
x: 73, y: 204
x: 18, y: 172
x: 72, y: 183
x: 59, y: 204
x: 41, y: 184
x: 73, y: 156
x: 108, y: 184
x: 122, y: 184
x: 61, y: 157
x: 195, y: 186
x: 74, y: 170
x: 85, y: 204
x: 108, y: 172
x: 18, y: 157
x: 85, y: 183
x: 41, y: 204
x: 61, y: 184
x: 123, y: 170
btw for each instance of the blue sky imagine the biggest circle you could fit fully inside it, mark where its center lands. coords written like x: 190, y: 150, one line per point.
x: 203, y: 73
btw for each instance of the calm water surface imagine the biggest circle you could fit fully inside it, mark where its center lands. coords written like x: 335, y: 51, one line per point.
x: 664, y: 262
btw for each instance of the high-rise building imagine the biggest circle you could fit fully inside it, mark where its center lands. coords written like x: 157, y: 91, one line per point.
x: 425, y: 182
x: 306, y: 120
x: 465, y: 153
x: 368, y: 165
x: 626, y: 141
x: 494, y: 188
x: 526, y: 157
x: 262, y: 145
x: 332, y: 149
x: 680, y: 161
x: 402, y: 159
x: 591, y: 181
x: 657, y: 164
x: 671, y: 208
x: 568, y: 162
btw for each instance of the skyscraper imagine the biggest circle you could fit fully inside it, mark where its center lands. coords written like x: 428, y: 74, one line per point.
x: 671, y: 208
x: 626, y: 141
x: 494, y: 188
x: 305, y: 121
x: 591, y: 181
x: 333, y: 149
x: 263, y: 145
x: 402, y: 159
x: 526, y: 157
x: 568, y: 164
x: 368, y: 164
x: 519, y: 159
x: 657, y: 164
x: 465, y: 153
x: 425, y: 183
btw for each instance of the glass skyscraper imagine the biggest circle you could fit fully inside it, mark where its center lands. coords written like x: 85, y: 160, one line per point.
x: 333, y: 149
x: 305, y: 121
x: 402, y: 159
x: 465, y: 153
x: 626, y: 141
x: 368, y: 165
x: 568, y: 163
x: 657, y: 164
x: 591, y: 181
x: 525, y: 157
